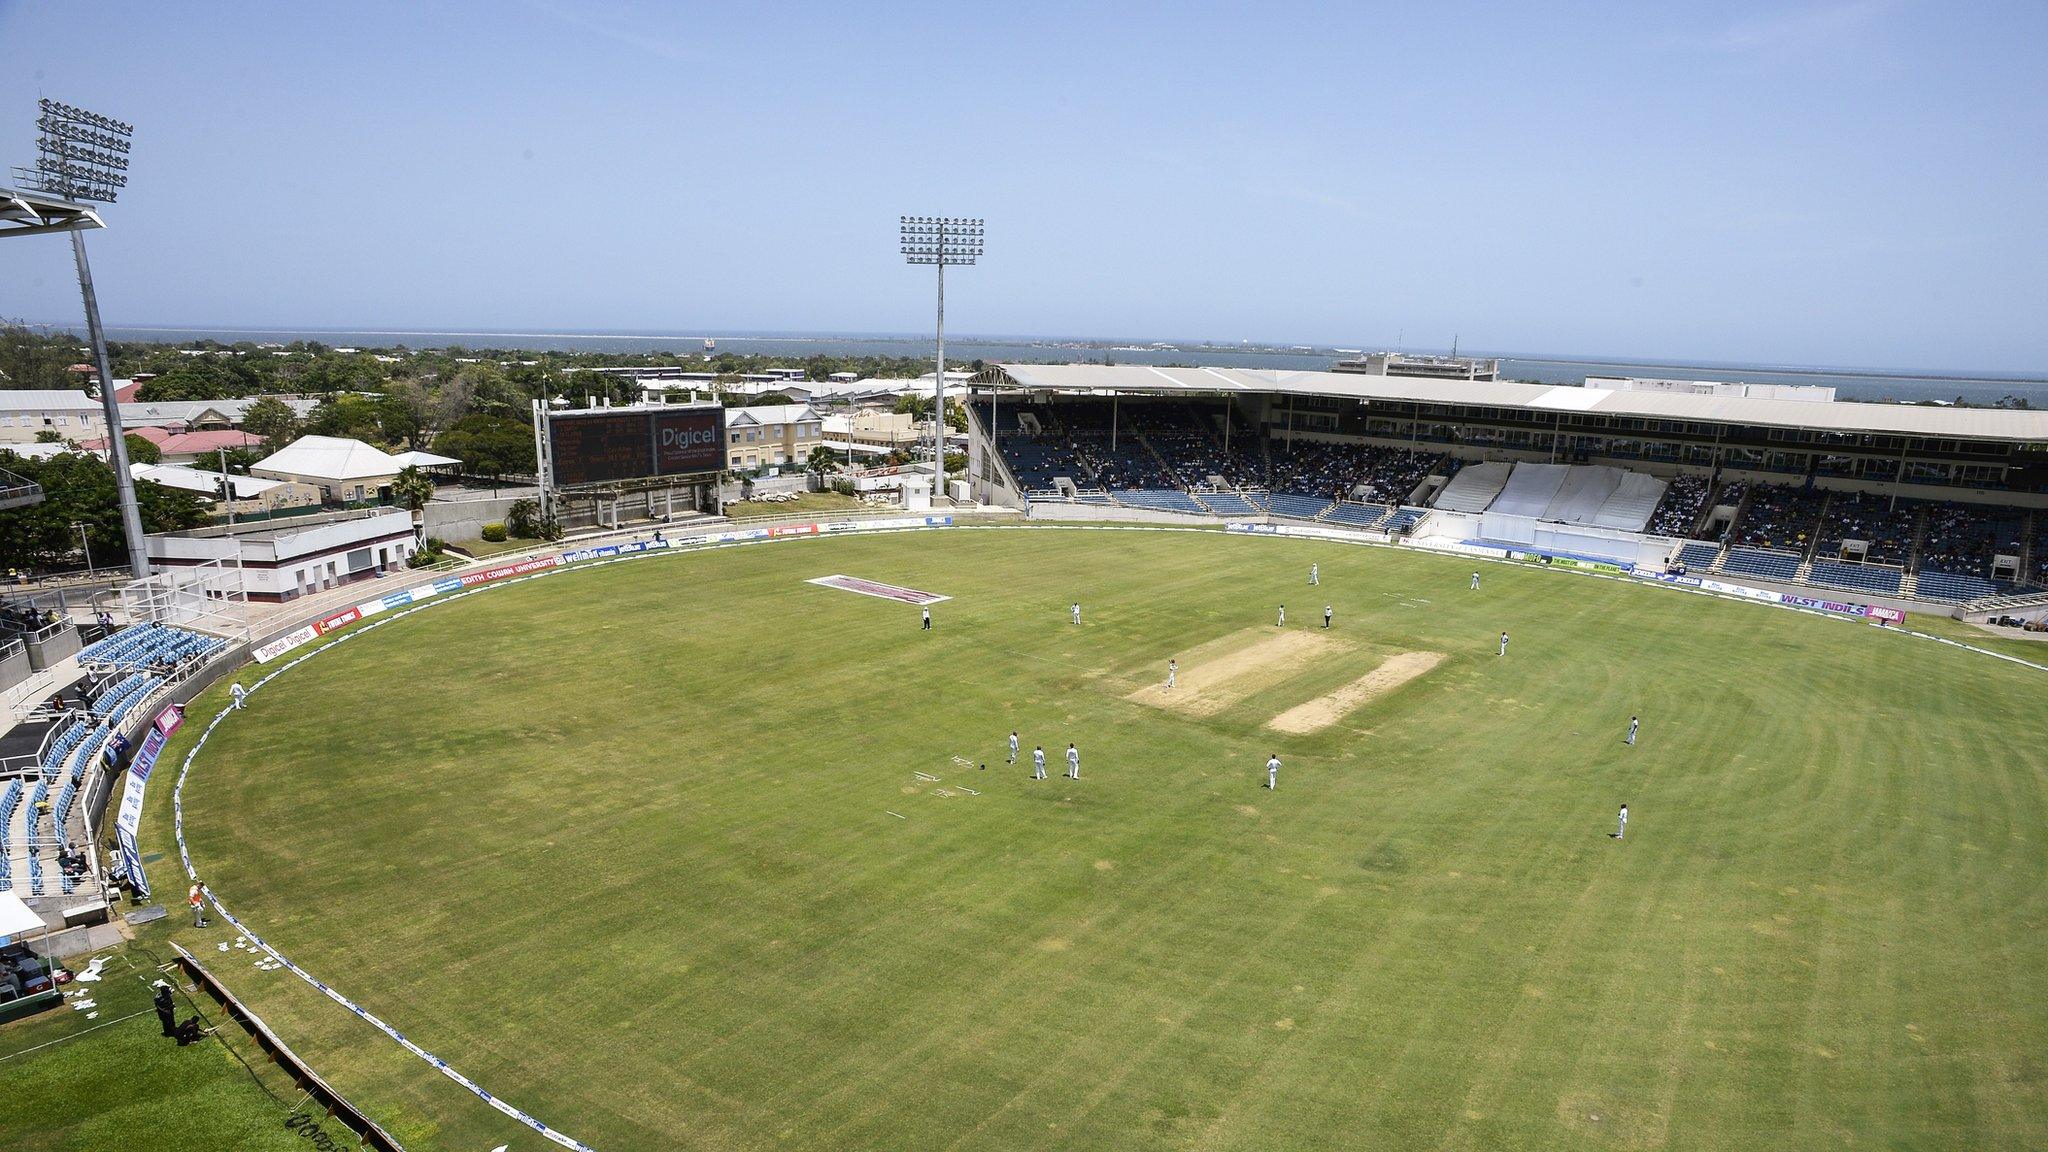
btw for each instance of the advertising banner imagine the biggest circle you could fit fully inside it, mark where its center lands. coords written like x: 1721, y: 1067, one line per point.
x: 341, y: 619
x: 689, y: 440
x: 285, y: 643
x: 128, y: 822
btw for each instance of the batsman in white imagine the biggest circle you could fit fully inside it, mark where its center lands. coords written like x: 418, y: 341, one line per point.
x: 1073, y: 762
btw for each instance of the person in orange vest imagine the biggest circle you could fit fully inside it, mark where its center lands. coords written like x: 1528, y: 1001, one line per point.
x: 197, y: 898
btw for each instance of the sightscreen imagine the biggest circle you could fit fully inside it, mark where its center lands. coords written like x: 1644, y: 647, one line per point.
x: 602, y: 447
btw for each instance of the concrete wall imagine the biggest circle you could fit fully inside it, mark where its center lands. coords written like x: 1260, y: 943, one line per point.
x: 1090, y: 513
x: 465, y: 519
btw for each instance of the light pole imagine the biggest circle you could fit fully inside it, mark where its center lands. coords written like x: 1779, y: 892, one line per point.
x: 82, y: 159
x: 939, y: 241
x: 86, y: 545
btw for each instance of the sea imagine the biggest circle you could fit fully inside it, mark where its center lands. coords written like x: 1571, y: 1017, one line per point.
x: 1850, y: 383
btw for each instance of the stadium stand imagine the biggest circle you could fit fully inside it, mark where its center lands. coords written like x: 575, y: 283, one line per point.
x: 1699, y: 555
x: 1229, y: 503
x: 1299, y: 507
x: 149, y: 645
x: 1678, y: 510
x: 1779, y: 518
x: 1632, y: 501
x: 1861, y: 516
x: 1859, y: 577
x: 1529, y: 491
x: 1357, y: 515
x: 1159, y: 500
x: 1762, y: 562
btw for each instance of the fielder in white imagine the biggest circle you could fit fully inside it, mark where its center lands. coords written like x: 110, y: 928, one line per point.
x: 1273, y: 774
x: 1038, y: 763
x: 1475, y: 581
x: 1073, y: 762
x: 1503, y: 644
x: 1076, y: 611
x: 1282, y: 623
x: 238, y: 692
x: 1013, y: 747
x: 1314, y: 575
x: 1633, y: 724
x: 1172, y: 672
x: 1621, y: 828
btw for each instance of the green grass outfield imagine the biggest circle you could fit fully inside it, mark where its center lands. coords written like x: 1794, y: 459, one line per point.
x: 618, y: 843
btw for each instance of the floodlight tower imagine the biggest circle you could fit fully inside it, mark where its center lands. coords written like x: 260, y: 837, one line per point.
x: 81, y: 159
x: 939, y: 241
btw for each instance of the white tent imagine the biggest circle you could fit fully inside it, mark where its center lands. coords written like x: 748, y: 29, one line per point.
x: 16, y: 920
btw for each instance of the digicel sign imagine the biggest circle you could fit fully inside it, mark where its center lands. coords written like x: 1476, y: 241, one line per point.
x: 689, y: 441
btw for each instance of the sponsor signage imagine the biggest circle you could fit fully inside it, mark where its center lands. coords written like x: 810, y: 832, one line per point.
x: 632, y: 444
x: 340, y: 619
x: 267, y: 652
x: 128, y: 822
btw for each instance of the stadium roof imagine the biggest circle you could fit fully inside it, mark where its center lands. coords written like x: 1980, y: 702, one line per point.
x: 330, y: 458
x: 1840, y: 415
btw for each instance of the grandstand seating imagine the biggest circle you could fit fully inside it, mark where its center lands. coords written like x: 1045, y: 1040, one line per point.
x: 1630, y: 504
x: 1762, y: 562
x: 1357, y: 515
x: 1936, y: 585
x: 1781, y: 518
x: 1227, y: 503
x: 1298, y: 507
x: 1402, y: 519
x: 1861, y: 516
x: 1698, y: 554
x: 1679, y: 508
x: 1962, y: 539
x: 1160, y: 500
x: 1529, y: 490
x: 1860, y: 577
x: 149, y: 645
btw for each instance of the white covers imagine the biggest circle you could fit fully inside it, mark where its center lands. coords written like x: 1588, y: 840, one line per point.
x: 1634, y: 501
x: 1473, y: 488
x: 1530, y: 491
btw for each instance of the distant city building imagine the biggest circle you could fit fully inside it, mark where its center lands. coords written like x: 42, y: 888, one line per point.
x: 1428, y: 367
x: 1811, y: 392
x: 72, y: 415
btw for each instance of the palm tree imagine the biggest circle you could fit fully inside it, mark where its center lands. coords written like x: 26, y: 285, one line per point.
x: 412, y: 487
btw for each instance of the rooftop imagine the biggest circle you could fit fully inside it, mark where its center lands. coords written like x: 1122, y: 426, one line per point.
x: 1843, y: 416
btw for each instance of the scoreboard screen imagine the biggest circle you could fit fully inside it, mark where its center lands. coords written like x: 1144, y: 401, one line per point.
x: 635, y: 444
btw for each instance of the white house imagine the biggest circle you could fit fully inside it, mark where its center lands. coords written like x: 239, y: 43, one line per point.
x: 342, y: 469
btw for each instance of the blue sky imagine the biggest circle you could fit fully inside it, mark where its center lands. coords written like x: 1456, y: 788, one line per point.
x: 1849, y: 182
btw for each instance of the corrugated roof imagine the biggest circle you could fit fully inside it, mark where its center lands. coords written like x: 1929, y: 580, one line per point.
x: 199, y: 480
x: 45, y: 400
x: 329, y: 458
x: 1840, y: 416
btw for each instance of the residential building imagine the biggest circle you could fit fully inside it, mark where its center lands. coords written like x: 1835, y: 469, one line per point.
x: 768, y: 435
x: 253, y: 495
x: 25, y: 413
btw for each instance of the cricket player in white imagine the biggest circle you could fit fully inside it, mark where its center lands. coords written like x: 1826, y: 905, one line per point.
x: 1077, y: 611
x: 1475, y: 581
x: 238, y: 692
x: 1172, y: 672
x: 1621, y: 828
x: 1013, y: 747
x: 1633, y: 724
x: 1326, y: 615
x: 927, y: 620
x: 1038, y: 763
x: 1314, y: 575
x: 1503, y: 643
x: 1073, y: 762
x: 1273, y: 774
x: 1283, y: 617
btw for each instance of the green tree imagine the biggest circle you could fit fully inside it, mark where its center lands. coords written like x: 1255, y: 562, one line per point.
x: 79, y: 489
x: 412, y: 488
x: 35, y: 357
x: 347, y: 415
x: 273, y: 420
x: 141, y: 451
x: 489, y: 445
x: 822, y: 460
x: 403, y: 412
